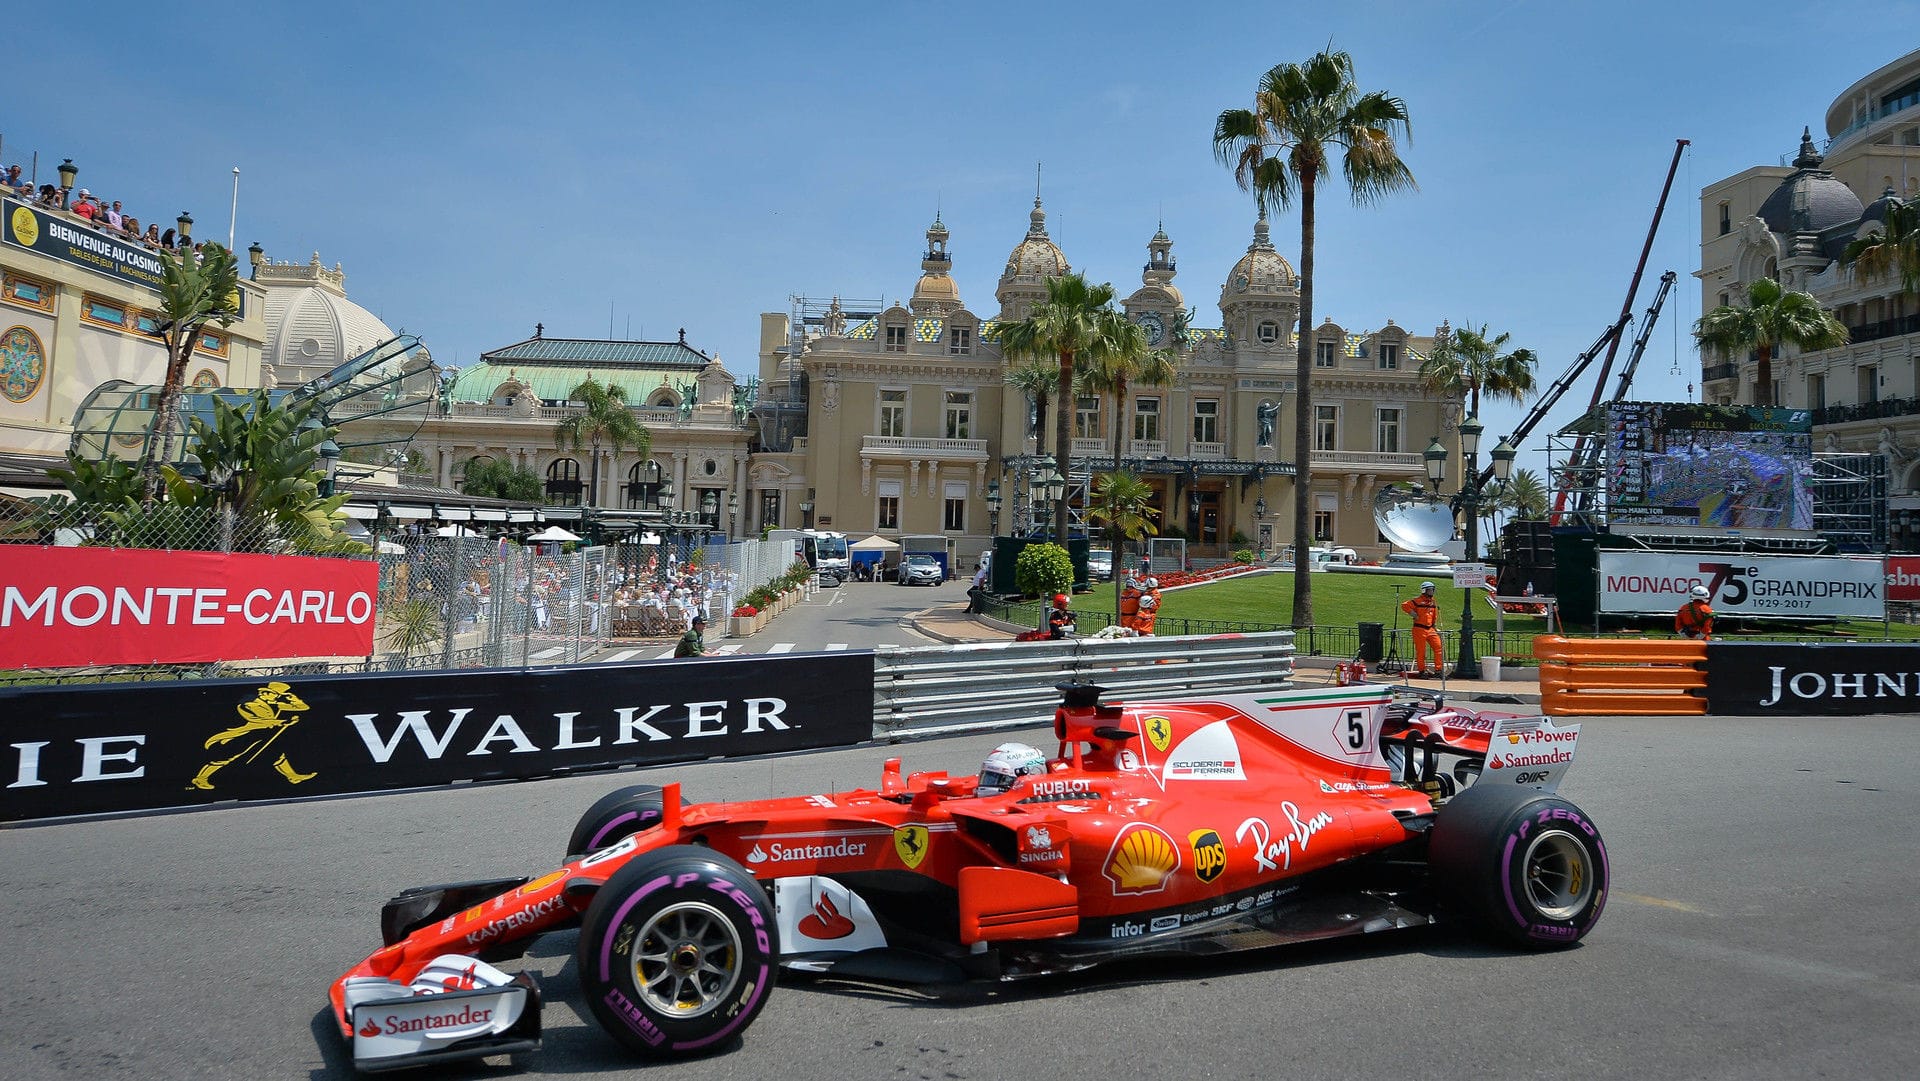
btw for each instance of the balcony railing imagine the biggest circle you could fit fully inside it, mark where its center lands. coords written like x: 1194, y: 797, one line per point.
x: 1880, y: 410
x: 1393, y: 461
x: 907, y: 446
x: 1719, y: 371
x: 1091, y: 448
x: 1886, y: 328
x: 1206, y: 450
x: 1147, y: 448
x: 547, y: 414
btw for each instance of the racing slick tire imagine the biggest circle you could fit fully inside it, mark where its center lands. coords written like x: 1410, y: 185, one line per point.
x: 678, y: 952
x: 615, y: 816
x: 1527, y: 866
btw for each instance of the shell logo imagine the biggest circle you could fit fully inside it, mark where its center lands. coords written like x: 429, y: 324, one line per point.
x: 1142, y: 859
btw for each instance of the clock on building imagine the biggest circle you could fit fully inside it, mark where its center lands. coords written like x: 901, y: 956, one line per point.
x: 1155, y: 327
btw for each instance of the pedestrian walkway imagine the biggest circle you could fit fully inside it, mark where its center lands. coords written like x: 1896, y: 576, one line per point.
x: 951, y: 623
x: 727, y: 648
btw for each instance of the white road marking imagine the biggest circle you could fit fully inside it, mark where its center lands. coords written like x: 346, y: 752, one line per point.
x: 781, y: 647
x: 835, y: 647
x: 623, y: 655
x: 545, y: 653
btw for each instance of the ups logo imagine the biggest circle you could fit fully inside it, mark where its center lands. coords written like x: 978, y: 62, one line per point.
x: 1209, y: 854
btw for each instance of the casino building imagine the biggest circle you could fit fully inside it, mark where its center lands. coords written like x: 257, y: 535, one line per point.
x: 1791, y: 222
x: 899, y: 419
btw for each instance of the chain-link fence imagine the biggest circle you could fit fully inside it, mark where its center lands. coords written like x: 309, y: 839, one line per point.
x: 449, y: 596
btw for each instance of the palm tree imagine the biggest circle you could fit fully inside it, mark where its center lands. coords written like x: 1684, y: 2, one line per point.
x: 1127, y: 361
x: 1465, y: 362
x: 1771, y: 317
x: 1278, y: 149
x: 194, y: 290
x: 1124, y: 504
x: 1068, y: 325
x: 1529, y: 496
x: 1892, y: 253
x: 607, y: 419
x: 498, y: 478
x: 1035, y: 380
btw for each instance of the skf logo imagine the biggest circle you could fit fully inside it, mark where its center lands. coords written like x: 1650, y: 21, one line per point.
x: 1142, y: 859
x: 1209, y: 854
x: 910, y: 844
x: 1159, y: 733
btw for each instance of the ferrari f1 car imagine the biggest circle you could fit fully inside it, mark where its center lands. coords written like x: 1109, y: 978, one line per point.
x: 1208, y: 825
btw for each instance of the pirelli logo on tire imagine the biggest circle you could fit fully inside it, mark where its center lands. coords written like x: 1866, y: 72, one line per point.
x: 1209, y: 854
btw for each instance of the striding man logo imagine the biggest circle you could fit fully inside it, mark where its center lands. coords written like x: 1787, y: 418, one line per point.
x: 262, y: 720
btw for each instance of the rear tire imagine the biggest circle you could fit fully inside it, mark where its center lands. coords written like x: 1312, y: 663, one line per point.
x: 1527, y: 866
x: 620, y: 813
x: 677, y: 952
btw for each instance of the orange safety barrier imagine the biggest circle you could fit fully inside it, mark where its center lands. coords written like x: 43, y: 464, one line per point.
x: 1636, y: 676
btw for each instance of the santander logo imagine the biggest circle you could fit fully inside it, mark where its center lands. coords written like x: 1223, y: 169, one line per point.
x: 826, y: 922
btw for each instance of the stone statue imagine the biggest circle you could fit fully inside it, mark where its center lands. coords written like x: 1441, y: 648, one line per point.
x: 1265, y: 413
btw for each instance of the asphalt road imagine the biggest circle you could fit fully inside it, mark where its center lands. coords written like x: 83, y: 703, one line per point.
x: 1761, y: 925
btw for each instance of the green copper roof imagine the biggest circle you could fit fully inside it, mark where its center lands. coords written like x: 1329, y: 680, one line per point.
x: 556, y: 382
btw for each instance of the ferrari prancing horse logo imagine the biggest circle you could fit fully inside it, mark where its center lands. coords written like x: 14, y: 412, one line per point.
x: 910, y: 843
x: 1159, y: 733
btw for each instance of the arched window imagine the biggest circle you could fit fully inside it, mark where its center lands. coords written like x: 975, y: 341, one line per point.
x: 472, y: 464
x: 662, y: 399
x: 563, y: 483
x: 643, y: 484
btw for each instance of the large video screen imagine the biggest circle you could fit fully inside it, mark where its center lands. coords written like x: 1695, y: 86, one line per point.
x: 1725, y: 467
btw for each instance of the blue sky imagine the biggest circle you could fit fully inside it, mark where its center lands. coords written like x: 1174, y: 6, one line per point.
x: 481, y: 167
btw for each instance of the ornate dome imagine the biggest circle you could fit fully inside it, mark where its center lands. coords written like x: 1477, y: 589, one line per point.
x: 1811, y: 200
x: 1262, y: 269
x: 936, y: 293
x: 1877, y: 210
x: 1036, y: 256
x: 311, y: 325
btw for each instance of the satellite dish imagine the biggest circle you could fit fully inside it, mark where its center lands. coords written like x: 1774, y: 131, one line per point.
x: 1412, y: 521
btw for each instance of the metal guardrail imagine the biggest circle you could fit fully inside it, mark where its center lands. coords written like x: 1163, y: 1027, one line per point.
x: 929, y: 691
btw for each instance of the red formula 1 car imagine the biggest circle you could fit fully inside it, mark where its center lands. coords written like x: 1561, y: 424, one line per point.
x: 1213, y: 824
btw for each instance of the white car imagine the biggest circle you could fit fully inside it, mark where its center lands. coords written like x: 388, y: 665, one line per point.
x: 1100, y: 564
x: 921, y: 570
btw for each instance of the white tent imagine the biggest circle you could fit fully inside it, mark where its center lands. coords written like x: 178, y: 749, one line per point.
x: 553, y: 533
x: 875, y: 543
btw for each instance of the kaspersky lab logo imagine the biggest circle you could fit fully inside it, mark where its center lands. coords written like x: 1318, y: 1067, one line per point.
x: 262, y: 721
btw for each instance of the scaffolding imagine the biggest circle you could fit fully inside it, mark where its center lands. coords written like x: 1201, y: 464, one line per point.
x: 780, y: 409
x: 1849, y: 493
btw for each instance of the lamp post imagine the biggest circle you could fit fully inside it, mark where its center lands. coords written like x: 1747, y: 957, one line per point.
x: 806, y: 514
x: 256, y: 258
x: 69, y: 172
x: 733, y: 512
x: 185, y: 224
x: 1467, y: 501
x: 1053, y: 489
x: 993, y: 508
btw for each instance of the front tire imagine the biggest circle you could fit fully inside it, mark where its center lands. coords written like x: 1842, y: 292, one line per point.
x: 677, y: 952
x: 1527, y: 866
x: 620, y: 813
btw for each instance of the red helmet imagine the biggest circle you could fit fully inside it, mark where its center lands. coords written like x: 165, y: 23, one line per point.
x: 1060, y: 600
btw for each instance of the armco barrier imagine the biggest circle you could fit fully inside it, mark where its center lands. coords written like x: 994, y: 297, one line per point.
x: 932, y: 691
x: 1621, y: 676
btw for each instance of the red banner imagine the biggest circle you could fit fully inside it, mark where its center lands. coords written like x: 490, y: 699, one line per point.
x: 1903, y: 578
x: 65, y: 607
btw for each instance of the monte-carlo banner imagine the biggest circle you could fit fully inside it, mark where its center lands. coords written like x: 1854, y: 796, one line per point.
x: 66, y: 607
x: 70, y: 242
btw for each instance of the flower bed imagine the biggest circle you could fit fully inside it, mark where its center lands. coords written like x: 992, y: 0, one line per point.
x: 1175, y: 579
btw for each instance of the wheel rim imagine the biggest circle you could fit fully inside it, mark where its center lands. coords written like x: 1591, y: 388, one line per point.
x: 1557, y: 874
x: 687, y: 959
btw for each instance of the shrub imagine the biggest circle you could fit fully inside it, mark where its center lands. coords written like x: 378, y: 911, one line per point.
x: 1043, y: 569
x: 1244, y: 555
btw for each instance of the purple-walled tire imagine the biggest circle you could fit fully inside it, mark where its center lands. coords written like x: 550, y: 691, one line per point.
x: 620, y: 813
x: 678, y: 952
x: 1527, y: 866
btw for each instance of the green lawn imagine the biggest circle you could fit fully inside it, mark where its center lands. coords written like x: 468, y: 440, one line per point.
x: 1343, y: 601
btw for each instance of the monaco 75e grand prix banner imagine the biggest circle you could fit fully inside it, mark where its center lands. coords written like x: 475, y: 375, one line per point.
x: 62, y: 607
x: 1792, y: 587
x: 140, y: 746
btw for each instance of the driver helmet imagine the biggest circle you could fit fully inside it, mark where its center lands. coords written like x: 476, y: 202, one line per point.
x: 1426, y: 587
x: 1153, y: 583
x: 1700, y: 593
x: 1059, y: 600
x: 1006, y: 765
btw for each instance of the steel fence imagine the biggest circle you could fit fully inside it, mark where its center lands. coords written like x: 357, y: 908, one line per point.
x: 449, y: 596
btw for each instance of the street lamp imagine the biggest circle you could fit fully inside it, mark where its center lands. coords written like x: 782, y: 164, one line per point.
x: 256, y: 257
x: 806, y: 514
x: 993, y: 508
x: 185, y: 224
x: 1467, y: 501
x: 1260, y: 509
x: 1053, y: 489
x: 733, y: 511
x: 68, y: 173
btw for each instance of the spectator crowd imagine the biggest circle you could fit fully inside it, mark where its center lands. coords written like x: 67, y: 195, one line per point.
x: 107, y: 216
